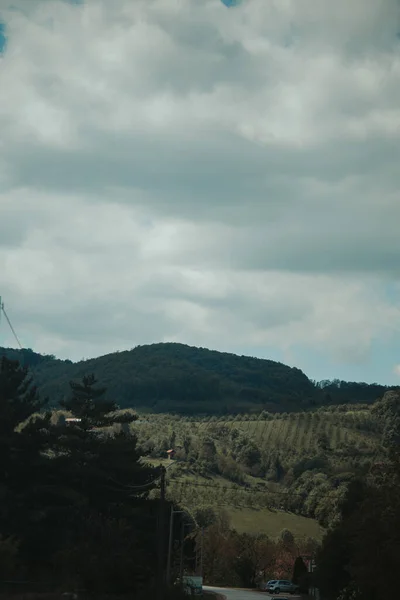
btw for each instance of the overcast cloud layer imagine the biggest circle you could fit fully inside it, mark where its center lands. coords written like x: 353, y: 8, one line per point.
x: 174, y: 170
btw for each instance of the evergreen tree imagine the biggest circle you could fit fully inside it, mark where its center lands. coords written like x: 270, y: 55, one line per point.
x: 72, y: 493
x: 19, y: 398
x: 300, y: 574
x: 24, y: 454
x: 88, y: 404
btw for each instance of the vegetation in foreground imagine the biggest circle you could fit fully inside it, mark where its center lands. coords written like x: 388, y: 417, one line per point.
x: 73, y: 514
x: 360, y: 555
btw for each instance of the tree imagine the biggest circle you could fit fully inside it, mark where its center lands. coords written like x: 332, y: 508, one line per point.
x: 74, y: 507
x: 21, y: 448
x: 92, y: 457
x: 87, y: 403
x: 300, y: 574
x: 19, y: 398
x: 286, y: 537
x: 366, y: 541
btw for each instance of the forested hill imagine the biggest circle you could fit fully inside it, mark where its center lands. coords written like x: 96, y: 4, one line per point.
x: 178, y: 378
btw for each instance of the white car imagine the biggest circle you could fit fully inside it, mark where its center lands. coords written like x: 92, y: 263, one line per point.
x: 276, y: 586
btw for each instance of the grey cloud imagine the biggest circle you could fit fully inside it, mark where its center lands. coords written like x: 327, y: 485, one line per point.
x: 229, y: 169
x: 268, y: 142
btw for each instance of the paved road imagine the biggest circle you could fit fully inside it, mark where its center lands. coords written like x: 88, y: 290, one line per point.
x: 245, y: 595
x: 237, y: 594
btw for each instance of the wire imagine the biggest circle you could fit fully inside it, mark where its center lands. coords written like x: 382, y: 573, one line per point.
x: 143, y: 486
x: 247, y: 489
x: 10, y: 325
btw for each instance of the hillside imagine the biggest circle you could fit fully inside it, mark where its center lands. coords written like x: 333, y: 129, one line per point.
x: 171, y: 377
x: 297, y: 463
x: 178, y: 378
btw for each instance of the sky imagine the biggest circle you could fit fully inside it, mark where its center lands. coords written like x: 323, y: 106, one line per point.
x: 176, y: 170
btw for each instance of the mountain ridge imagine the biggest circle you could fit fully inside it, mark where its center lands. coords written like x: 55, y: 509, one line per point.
x: 174, y: 377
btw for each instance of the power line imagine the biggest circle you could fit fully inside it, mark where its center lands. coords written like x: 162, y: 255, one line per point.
x: 144, y: 486
x: 247, y: 489
x: 9, y: 323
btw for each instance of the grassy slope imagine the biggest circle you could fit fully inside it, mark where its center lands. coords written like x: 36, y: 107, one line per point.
x: 272, y: 522
x: 349, y: 433
x: 243, y: 518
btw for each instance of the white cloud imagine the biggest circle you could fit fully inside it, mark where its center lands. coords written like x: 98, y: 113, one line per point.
x: 396, y: 369
x: 178, y: 170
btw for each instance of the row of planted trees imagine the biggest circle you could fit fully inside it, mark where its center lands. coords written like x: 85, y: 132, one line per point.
x: 74, y: 511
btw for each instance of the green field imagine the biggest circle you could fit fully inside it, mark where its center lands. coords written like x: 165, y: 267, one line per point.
x: 272, y: 522
x: 194, y: 492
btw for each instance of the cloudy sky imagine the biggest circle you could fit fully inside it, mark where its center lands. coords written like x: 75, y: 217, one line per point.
x: 174, y: 170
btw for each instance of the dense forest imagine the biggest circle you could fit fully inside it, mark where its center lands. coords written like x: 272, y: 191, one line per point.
x: 176, y: 378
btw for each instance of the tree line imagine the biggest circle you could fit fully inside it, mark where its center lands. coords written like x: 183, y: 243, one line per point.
x: 173, y: 377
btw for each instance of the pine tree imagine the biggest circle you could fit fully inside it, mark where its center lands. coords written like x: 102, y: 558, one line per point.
x: 106, y: 463
x: 19, y: 398
x: 105, y: 475
x: 87, y: 403
x: 24, y: 445
x: 300, y: 573
x: 69, y: 491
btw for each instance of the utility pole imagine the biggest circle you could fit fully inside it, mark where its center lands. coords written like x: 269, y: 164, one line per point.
x: 160, y: 583
x: 181, y: 553
x: 201, y: 552
x: 170, y: 543
x: 171, y: 533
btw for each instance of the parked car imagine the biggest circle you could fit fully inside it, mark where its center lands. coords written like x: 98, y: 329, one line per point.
x: 276, y: 586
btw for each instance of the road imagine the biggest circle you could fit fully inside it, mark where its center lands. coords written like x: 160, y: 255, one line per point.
x: 245, y: 595
x: 237, y: 594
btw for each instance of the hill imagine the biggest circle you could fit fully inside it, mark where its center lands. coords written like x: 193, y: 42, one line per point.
x: 182, y: 379
x: 172, y: 377
x: 267, y: 467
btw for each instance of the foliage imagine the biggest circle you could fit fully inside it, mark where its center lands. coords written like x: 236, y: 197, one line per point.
x: 244, y: 560
x: 361, y: 553
x: 299, y: 462
x: 186, y: 380
x: 74, y: 508
x: 75, y: 492
x: 174, y: 377
x: 300, y: 575
x: 286, y: 537
x: 9, y: 548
